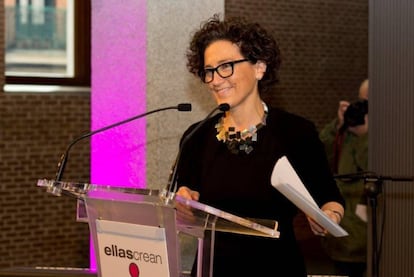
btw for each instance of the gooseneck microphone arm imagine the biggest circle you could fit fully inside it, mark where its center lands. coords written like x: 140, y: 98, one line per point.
x: 172, y: 180
x: 183, y: 107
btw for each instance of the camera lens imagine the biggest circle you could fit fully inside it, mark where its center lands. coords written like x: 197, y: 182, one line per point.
x: 355, y: 113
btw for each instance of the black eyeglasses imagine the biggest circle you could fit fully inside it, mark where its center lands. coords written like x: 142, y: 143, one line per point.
x: 224, y: 70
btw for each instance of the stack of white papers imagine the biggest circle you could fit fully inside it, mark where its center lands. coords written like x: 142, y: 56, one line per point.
x: 285, y: 180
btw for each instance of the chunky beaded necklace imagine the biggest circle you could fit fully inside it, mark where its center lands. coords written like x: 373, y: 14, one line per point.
x: 240, y: 141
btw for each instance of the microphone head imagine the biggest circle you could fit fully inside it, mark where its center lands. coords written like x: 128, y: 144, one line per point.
x: 184, y: 107
x: 224, y: 107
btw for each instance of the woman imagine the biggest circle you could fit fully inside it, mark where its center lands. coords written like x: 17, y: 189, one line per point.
x: 227, y: 163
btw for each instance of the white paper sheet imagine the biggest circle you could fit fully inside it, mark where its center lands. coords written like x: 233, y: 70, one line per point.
x: 285, y: 180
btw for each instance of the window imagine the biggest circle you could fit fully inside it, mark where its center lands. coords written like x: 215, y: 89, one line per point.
x: 48, y: 42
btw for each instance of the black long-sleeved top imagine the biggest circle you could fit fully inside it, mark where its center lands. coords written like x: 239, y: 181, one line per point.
x: 240, y: 184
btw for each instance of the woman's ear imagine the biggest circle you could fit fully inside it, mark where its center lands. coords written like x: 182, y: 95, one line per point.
x: 260, y: 69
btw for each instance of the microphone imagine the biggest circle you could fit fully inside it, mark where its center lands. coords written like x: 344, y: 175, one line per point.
x: 352, y: 176
x: 172, y: 180
x: 369, y: 176
x: 183, y: 107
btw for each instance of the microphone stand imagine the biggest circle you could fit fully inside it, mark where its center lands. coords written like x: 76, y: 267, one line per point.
x: 168, y: 193
x: 373, y: 187
x: 183, y: 107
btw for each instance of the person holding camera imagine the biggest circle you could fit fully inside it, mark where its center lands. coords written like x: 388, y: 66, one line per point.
x: 346, y: 145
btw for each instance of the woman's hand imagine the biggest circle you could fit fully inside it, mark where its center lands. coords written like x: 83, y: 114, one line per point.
x: 316, y: 228
x: 184, y: 211
x: 334, y: 211
x: 188, y: 193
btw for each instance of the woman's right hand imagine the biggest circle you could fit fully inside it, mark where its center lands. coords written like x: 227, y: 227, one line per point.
x: 188, y: 193
x: 184, y: 211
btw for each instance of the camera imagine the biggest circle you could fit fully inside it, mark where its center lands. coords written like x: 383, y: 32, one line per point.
x: 355, y: 113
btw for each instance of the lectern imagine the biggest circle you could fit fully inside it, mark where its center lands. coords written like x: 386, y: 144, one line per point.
x: 135, y: 231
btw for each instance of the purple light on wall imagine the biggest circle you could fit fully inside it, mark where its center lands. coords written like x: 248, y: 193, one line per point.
x: 118, y: 93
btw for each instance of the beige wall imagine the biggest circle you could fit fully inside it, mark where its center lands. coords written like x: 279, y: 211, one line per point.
x: 170, y: 24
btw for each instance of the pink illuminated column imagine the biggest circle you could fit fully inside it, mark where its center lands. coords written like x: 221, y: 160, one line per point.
x: 118, y: 92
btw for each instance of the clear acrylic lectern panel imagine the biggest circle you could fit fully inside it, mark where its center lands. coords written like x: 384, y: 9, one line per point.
x: 149, y: 218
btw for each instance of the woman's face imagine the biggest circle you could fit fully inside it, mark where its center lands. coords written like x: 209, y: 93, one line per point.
x: 239, y: 88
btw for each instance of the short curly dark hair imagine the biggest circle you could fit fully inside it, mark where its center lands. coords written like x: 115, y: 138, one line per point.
x: 254, y: 41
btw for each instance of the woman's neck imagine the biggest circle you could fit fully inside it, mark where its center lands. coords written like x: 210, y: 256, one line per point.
x: 242, y: 139
x: 241, y: 119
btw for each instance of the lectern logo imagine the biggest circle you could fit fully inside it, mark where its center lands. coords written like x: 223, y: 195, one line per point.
x: 133, y: 270
x: 143, y: 256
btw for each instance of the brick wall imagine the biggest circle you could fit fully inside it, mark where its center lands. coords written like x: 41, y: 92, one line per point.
x: 325, y: 56
x: 324, y: 47
x: 38, y: 229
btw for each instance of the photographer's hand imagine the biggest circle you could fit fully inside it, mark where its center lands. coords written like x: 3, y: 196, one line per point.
x: 343, y: 105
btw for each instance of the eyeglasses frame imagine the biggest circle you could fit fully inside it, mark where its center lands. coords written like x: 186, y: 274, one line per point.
x: 215, y: 69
